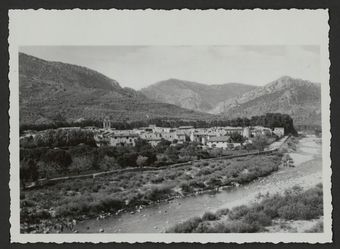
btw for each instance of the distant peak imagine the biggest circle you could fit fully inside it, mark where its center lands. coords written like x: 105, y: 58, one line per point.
x: 285, y: 78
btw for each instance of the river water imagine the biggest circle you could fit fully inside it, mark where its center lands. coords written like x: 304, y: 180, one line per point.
x: 155, y: 219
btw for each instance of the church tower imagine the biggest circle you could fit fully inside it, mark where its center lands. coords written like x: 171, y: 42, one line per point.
x: 107, y: 123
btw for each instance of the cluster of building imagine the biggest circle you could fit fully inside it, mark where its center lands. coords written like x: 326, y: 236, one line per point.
x: 219, y: 137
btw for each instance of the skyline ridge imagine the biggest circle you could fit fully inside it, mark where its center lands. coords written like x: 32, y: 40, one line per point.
x: 169, y: 79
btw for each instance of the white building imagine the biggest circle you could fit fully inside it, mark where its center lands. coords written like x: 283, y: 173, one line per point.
x: 230, y: 130
x: 115, y: 137
x: 181, y: 137
x: 220, y: 142
x: 279, y: 131
x: 201, y: 137
x: 123, y: 139
x: 170, y: 136
x: 186, y: 129
x: 260, y: 130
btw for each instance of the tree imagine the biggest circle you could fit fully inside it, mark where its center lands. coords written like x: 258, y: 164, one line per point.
x: 141, y: 161
x: 260, y: 142
x: 162, y: 145
x: 236, y: 137
x: 61, y: 158
x: 28, y: 171
x: 142, y: 145
x: 172, y: 153
x: 81, y: 163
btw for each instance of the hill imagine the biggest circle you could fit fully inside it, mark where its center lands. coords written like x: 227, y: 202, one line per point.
x: 192, y: 95
x: 300, y: 99
x: 55, y: 90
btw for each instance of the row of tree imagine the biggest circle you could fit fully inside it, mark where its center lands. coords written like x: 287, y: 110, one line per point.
x: 40, y: 162
x: 58, y: 138
x: 270, y: 120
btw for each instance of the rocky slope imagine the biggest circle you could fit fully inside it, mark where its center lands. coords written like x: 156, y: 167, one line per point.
x: 300, y: 99
x: 192, y: 95
x: 50, y: 90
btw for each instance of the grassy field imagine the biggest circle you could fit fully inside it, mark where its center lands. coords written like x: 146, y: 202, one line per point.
x: 295, y: 204
x: 78, y: 199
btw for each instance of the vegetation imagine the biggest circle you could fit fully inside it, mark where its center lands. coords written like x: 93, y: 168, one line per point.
x: 58, y: 138
x: 86, y: 157
x: 72, y: 199
x: 294, y: 204
x: 269, y: 120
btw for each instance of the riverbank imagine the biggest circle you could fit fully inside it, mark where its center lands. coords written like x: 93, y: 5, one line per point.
x: 296, y: 210
x: 161, y: 216
x: 59, y: 207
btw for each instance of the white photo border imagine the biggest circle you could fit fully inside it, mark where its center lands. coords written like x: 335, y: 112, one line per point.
x: 162, y: 27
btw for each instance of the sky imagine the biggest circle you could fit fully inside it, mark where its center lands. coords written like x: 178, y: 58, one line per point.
x: 141, y: 66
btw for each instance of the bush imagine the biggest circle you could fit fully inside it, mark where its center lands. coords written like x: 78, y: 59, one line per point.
x: 214, y: 182
x: 185, y: 187
x: 158, y: 192
x: 238, y: 212
x: 205, y: 227
x: 240, y: 227
x: 204, y: 171
x: 186, y: 226
x: 157, y: 179
x: 317, y: 228
x: 111, y: 203
x: 257, y: 218
x: 222, y: 212
x: 196, y: 184
x: 209, y: 216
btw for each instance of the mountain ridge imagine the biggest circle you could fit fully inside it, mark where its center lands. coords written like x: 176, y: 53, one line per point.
x: 48, y: 89
x: 299, y: 98
x: 193, y: 95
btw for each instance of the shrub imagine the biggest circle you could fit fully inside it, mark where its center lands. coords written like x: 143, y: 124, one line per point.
x: 214, y: 182
x: 186, y: 226
x: 222, y: 212
x: 317, y: 228
x: 196, y: 184
x: 157, y: 179
x: 158, y: 192
x: 206, y: 227
x: 257, y: 218
x: 112, y: 204
x: 204, y: 171
x: 185, y: 187
x: 238, y: 212
x: 239, y: 227
x: 295, y: 211
x: 209, y: 216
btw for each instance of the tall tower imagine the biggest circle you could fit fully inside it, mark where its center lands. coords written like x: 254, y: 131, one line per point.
x: 246, y: 132
x: 107, y: 123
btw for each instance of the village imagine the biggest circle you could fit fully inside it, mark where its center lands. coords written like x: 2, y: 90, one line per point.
x: 214, y: 137
x: 227, y: 137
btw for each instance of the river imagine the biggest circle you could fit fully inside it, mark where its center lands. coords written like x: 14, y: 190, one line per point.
x: 155, y: 219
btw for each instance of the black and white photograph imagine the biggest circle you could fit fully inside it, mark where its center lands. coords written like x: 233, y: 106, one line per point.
x: 146, y: 135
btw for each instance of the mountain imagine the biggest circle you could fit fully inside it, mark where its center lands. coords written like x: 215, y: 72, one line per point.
x: 192, y: 95
x: 300, y: 99
x: 54, y: 90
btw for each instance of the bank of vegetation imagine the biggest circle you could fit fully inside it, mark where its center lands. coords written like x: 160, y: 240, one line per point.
x: 51, y: 208
x: 293, y: 205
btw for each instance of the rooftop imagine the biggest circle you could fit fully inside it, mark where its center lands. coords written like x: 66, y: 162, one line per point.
x: 220, y: 139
